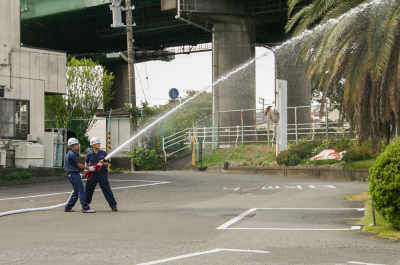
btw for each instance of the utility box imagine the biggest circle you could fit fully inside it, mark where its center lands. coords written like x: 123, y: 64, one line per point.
x: 29, y: 155
x: 32, y: 138
x: 55, y: 147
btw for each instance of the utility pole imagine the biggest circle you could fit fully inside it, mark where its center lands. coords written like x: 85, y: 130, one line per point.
x: 116, y: 9
x: 262, y: 101
x: 131, y: 58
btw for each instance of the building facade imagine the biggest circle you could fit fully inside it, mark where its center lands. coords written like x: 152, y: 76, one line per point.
x: 26, y: 76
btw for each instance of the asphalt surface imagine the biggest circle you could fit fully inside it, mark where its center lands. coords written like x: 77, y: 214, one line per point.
x: 193, y: 218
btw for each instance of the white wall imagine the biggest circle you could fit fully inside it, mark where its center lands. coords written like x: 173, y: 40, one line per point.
x: 31, y: 72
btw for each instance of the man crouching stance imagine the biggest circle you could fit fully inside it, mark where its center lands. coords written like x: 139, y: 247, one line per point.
x: 96, y: 157
x: 72, y: 168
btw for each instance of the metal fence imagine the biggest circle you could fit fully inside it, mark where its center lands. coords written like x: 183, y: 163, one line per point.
x: 118, y: 127
x: 221, y: 129
x: 239, y: 127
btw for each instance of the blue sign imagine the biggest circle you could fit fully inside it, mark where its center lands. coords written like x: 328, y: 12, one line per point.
x: 173, y: 93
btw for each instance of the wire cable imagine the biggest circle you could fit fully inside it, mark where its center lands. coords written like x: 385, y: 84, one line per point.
x: 137, y: 71
x: 147, y: 78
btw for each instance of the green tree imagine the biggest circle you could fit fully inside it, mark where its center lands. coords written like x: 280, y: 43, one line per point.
x: 361, y: 50
x: 88, y: 88
x: 181, y: 119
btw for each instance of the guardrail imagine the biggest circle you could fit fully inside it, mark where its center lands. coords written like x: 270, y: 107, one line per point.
x: 177, y: 142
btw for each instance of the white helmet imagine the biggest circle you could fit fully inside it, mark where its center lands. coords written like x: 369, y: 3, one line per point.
x: 94, y: 140
x: 72, y: 141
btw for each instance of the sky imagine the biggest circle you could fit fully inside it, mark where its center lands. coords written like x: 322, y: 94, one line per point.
x: 194, y: 71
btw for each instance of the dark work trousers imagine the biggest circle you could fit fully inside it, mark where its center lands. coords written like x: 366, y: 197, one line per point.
x: 79, y: 192
x: 101, y: 178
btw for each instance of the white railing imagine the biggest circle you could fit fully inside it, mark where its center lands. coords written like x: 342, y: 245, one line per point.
x: 175, y: 141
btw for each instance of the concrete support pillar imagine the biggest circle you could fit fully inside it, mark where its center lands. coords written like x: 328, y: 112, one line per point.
x: 120, y: 87
x: 299, y: 88
x: 233, y: 46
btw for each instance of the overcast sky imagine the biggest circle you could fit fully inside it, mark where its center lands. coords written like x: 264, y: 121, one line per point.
x: 194, y: 72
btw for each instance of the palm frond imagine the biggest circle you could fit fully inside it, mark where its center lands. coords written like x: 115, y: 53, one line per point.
x: 340, y: 8
x: 383, y: 31
x: 296, y: 18
x: 358, y: 68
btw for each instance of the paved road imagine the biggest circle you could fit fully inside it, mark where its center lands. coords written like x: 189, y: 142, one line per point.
x: 193, y: 218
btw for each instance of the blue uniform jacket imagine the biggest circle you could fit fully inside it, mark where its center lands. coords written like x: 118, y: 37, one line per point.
x: 92, y: 159
x: 71, y: 161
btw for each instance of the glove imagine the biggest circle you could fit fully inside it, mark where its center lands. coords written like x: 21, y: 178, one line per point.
x: 92, y: 169
x: 100, y: 163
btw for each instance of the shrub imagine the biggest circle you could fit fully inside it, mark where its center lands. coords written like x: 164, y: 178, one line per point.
x: 339, y: 144
x: 145, y: 159
x: 385, y: 184
x: 357, y: 153
x: 17, y: 176
x: 296, y: 153
x: 288, y: 158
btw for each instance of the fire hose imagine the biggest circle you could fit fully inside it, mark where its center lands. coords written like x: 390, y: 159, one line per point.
x: 88, y: 174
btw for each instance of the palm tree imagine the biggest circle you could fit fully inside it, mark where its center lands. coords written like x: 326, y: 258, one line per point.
x: 361, y: 50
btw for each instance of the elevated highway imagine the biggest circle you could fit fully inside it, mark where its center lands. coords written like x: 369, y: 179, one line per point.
x: 235, y: 27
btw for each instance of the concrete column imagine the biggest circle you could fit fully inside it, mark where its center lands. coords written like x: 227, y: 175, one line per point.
x: 233, y: 46
x: 289, y: 68
x: 120, y: 87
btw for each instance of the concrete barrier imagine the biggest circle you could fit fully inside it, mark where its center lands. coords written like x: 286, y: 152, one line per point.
x: 307, y: 172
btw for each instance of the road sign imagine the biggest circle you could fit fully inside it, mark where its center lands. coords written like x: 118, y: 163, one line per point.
x: 173, y: 93
x: 259, y: 116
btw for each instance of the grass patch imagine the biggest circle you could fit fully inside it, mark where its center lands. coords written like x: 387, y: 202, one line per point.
x: 366, y: 164
x: 382, y: 228
x: 320, y: 162
x: 18, y: 175
x: 248, y: 155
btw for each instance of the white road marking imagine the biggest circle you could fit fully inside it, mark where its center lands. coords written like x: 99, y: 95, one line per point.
x: 356, y: 262
x: 252, y: 189
x: 322, y: 187
x: 237, y: 188
x: 293, y: 187
x: 317, y: 209
x: 300, y: 188
x: 202, y: 253
x: 237, y: 218
x: 296, y: 229
x: 270, y: 187
x: 241, y: 216
x: 116, y: 188
x: 225, y: 188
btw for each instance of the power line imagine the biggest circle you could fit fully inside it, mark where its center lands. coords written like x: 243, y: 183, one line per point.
x: 148, y: 87
x: 137, y: 71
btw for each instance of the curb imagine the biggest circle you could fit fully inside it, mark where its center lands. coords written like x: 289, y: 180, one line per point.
x: 307, y: 172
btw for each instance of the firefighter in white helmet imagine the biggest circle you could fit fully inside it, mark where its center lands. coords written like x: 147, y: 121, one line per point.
x: 73, y: 167
x: 97, y: 157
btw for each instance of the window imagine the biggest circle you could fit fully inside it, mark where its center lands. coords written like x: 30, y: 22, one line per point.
x: 14, y: 119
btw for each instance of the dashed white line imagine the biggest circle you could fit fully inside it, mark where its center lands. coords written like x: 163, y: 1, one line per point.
x: 237, y: 188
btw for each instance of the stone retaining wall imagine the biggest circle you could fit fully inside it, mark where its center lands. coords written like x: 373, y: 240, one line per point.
x: 307, y: 172
x: 36, y: 172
